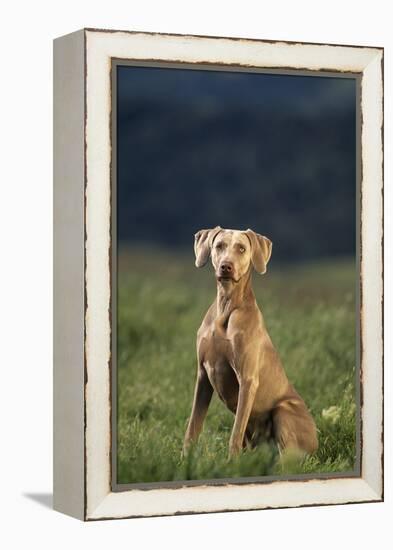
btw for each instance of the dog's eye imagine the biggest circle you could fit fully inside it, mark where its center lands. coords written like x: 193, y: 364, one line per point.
x: 219, y: 246
x: 242, y: 250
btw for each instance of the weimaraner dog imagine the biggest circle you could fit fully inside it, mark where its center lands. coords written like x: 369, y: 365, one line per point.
x: 236, y: 357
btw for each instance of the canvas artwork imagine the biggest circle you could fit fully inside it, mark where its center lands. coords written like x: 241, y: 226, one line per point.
x: 236, y: 273
x: 218, y: 274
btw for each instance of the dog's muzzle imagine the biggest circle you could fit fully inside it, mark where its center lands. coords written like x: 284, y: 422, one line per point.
x: 226, y: 272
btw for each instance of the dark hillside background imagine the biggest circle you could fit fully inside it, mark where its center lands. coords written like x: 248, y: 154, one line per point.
x: 274, y: 153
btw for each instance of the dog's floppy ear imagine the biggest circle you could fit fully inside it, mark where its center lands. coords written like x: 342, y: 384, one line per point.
x: 261, y: 250
x: 203, y: 244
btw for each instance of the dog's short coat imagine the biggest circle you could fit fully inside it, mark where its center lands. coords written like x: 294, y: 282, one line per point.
x: 236, y: 357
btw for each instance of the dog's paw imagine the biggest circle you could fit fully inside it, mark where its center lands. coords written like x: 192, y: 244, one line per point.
x: 291, y: 460
x: 235, y: 449
x: 187, y: 445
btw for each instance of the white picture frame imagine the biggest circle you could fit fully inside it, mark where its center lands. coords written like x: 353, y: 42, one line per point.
x: 82, y: 272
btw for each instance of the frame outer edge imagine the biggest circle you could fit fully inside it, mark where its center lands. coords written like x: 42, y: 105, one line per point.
x: 68, y: 274
x: 372, y: 273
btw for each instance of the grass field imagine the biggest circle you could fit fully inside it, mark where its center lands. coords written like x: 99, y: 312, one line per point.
x: 309, y: 311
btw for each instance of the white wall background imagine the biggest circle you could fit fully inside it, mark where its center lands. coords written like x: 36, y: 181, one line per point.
x: 26, y: 270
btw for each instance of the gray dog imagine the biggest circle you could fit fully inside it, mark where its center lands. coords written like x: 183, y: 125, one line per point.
x: 236, y: 357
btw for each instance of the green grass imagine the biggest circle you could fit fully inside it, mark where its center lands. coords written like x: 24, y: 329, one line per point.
x: 310, y: 314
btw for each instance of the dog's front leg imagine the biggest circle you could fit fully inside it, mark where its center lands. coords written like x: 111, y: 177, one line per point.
x: 247, y: 391
x: 202, y: 397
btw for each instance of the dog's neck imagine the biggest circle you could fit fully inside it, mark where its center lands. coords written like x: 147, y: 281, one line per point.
x: 231, y: 295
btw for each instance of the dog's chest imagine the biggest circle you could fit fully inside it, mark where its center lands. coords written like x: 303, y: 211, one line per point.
x: 216, y: 354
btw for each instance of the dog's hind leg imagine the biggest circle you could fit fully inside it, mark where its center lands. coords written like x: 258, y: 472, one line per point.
x: 293, y: 427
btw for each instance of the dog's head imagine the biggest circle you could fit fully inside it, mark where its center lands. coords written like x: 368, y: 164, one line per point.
x: 232, y: 252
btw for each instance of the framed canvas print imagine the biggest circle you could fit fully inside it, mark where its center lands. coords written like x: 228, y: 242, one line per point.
x: 218, y: 274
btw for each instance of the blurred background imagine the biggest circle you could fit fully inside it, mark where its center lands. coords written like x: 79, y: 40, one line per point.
x: 274, y: 153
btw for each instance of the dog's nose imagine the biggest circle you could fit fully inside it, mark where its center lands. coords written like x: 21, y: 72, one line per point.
x: 226, y: 268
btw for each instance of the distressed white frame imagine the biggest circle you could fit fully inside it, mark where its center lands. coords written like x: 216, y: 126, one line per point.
x: 100, y: 47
